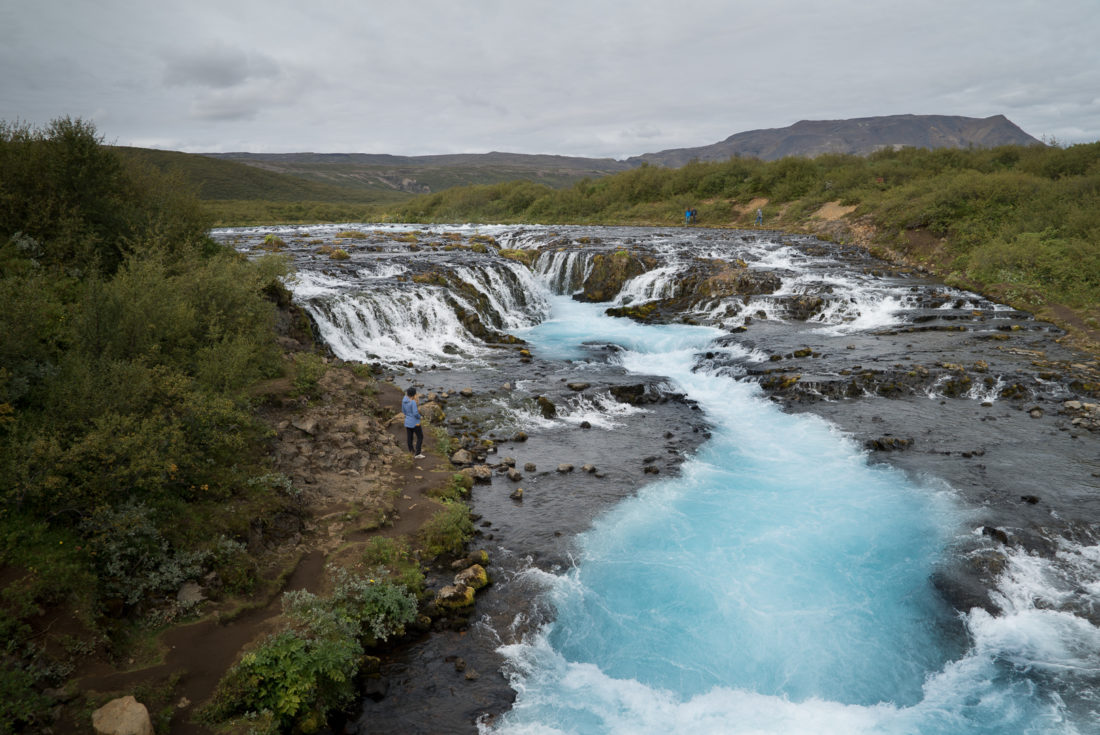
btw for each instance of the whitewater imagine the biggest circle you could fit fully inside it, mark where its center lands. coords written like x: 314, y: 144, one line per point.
x: 779, y: 582
x: 779, y: 585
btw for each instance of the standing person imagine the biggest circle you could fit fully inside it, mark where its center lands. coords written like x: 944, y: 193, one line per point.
x: 410, y: 406
x: 687, y: 216
x: 759, y: 216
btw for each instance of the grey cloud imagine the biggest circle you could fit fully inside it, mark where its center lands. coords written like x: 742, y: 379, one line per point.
x: 219, y: 67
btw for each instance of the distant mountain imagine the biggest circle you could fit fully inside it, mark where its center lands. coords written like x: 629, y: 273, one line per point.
x: 859, y: 136
x: 425, y: 174
x: 366, y: 177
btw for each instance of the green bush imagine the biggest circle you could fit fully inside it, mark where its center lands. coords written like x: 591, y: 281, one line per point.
x: 394, y: 559
x: 448, y: 530
x: 309, y: 368
x: 131, y: 342
x: 302, y: 673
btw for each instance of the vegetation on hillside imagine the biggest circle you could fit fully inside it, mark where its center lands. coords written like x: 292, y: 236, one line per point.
x: 230, y: 192
x: 1020, y: 223
x: 131, y: 341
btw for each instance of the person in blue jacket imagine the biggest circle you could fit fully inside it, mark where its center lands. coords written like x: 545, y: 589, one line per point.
x: 410, y: 406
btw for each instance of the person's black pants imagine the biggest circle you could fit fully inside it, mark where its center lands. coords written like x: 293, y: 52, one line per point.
x: 418, y: 432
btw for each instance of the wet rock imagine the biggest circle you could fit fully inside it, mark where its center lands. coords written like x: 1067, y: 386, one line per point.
x: 888, y: 444
x: 577, y: 386
x: 651, y: 469
x: 122, y: 716
x: 455, y: 596
x: 529, y: 467
x: 996, y: 534
x: 514, y: 475
x: 1030, y: 499
x: 586, y: 425
x: 466, y: 392
x: 610, y: 271
x: 632, y: 394
x: 546, y: 407
x: 520, y: 436
x: 589, y: 468
x: 462, y: 457
x: 474, y: 576
x: 564, y: 467
x: 1035, y: 412
x: 508, y: 461
x: 517, y: 494
x: 480, y: 473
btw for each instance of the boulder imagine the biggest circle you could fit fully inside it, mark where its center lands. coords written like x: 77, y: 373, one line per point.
x: 432, y: 412
x: 122, y: 716
x: 577, y: 386
x: 474, y: 576
x: 529, y: 467
x: 466, y: 392
x: 481, y: 473
x: 514, y: 475
x: 632, y: 394
x: 306, y: 424
x: 589, y: 468
x: 546, y: 407
x: 610, y: 272
x: 455, y: 596
x: 564, y: 467
x: 462, y: 457
x: 517, y: 494
x: 520, y: 436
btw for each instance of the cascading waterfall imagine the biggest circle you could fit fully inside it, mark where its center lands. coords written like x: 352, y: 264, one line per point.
x: 780, y: 583
x: 658, y: 283
x: 375, y: 318
x: 564, y: 271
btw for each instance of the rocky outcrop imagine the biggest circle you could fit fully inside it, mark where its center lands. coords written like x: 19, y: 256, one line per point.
x: 610, y: 271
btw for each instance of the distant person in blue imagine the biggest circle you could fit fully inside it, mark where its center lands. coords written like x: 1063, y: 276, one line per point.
x: 687, y: 216
x: 410, y: 406
x: 759, y: 217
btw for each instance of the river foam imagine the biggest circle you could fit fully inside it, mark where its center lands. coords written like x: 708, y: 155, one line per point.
x: 779, y: 585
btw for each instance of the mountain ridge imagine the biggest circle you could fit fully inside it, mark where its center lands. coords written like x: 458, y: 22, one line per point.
x: 382, y: 176
x: 858, y: 136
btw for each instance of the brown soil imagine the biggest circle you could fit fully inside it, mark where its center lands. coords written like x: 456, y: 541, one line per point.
x: 831, y: 211
x: 342, y: 505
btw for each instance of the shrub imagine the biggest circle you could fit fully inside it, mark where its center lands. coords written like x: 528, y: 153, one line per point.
x: 448, y: 530
x: 132, y: 557
x: 394, y: 559
x: 300, y: 674
x: 309, y: 367
x: 456, y: 488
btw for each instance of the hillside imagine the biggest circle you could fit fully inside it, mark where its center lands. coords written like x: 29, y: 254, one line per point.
x: 859, y: 136
x: 426, y: 174
x: 216, y: 179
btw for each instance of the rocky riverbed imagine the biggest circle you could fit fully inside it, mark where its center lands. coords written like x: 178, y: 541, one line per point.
x: 941, y: 383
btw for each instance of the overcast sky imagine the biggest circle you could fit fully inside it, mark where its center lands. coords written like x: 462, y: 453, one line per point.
x: 577, y: 77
